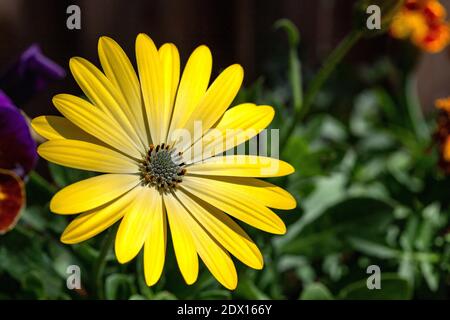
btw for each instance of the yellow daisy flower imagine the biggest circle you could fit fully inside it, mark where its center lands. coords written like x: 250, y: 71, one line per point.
x: 133, y: 130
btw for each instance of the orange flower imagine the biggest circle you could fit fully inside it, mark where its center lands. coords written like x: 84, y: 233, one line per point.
x: 423, y: 22
x: 443, y: 104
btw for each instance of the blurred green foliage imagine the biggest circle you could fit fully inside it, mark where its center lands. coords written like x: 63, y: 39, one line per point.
x: 369, y: 192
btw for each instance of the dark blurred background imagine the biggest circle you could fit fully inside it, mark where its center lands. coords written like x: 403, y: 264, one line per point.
x: 236, y: 31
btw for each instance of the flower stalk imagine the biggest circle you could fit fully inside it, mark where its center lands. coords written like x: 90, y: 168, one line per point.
x: 99, y: 268
x: 414, y: 109
x: 321, y: 77
x: 295, y: 67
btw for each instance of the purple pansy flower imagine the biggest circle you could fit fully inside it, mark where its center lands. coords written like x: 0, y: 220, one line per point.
x: 30, y: 74
x: 17, y: 147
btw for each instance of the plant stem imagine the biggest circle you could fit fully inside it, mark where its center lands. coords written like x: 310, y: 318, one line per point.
x: 143, y: 288
x: 321, y: 77
x: 295, y: 68
x: 415, y: 109
x: 101, y: 262
x: 295, y: 79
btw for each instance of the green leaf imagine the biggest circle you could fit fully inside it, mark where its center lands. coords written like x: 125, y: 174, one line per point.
x: 373, y: 249
x: 164, y: 295
x: 295, y: 67
x: 364, y: 115
x: 399, y: 165
x: 430, y: 274
x: 248, y: 290
x: 137, y: 297
x: 62, y: 257
x: 315, y: 205
x: 24, y: 257
x: 351, y: 217
x: 433, y: 220
x: 316, y: 291
x: 392, y: 288
x: 118, y: 286
x: 214, y: 294
x: 415, y: 110
x: 32, y: 216
x: 291, y: 31
x: 407, y: 268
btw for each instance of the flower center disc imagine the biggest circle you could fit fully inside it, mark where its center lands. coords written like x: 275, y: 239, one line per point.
x: 162, y: 167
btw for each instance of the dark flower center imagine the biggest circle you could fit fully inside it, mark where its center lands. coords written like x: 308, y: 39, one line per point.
x: 162, y: 167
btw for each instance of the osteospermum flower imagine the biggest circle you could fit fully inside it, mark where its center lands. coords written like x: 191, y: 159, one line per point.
x: 155, y: 179
x: 423, y: 22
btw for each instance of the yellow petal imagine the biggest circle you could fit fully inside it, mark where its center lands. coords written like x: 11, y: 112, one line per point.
x: 119, y: 70
x: 183, y: 242
x: 155, y: 248
x: 224, y: 230
x: 59, y: 128
x: 216, y: 100
x: 170, y: 61
x: 235, y: 204
x: 193, y: 85
x: 237, y: 125
x: 94, y: 221
x: 105, y: 96
x: 95, y: 122
x: 86, y: 156
x: 260, y: 191
x: 215, y: 258
x: 242, y: 166
x: 152, y: 85
x: 213, y: 255
x: 92, y: 193
x: 136, y: 224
